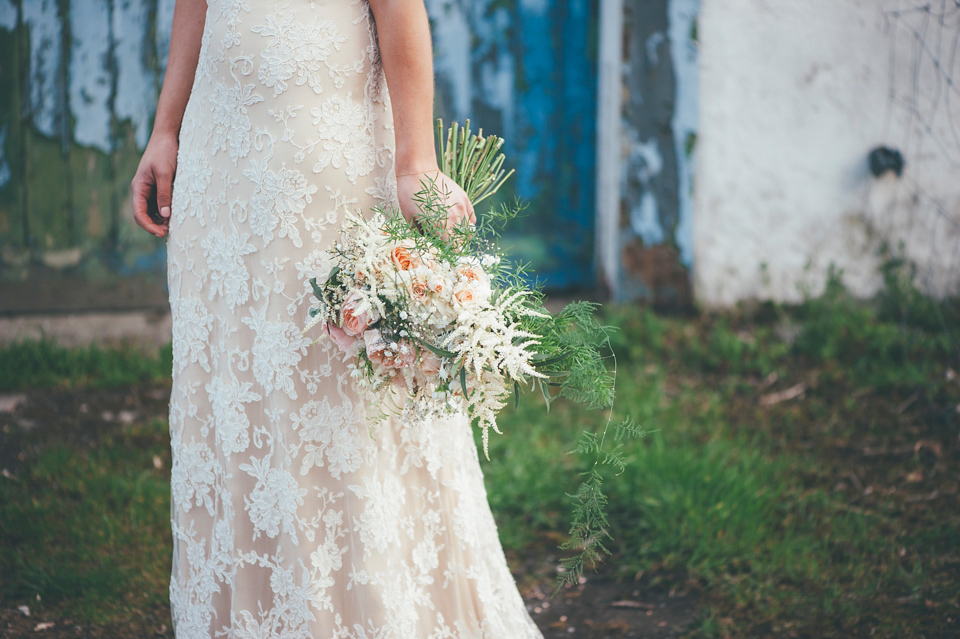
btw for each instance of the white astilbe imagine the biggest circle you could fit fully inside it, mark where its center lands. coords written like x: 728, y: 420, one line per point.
x: 488, y: 398
x: 486, y: 339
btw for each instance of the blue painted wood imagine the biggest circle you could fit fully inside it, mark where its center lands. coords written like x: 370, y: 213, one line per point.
x: 526, y: 70
x: 556, y: 109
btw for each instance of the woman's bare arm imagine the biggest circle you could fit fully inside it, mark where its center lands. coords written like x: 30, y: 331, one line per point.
x: 405, y: 48
x: 153, y: 183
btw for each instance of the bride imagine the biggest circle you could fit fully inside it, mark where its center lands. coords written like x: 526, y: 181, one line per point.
x: 289, y: 517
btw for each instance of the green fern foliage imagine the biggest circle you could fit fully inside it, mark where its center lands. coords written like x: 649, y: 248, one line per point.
x: 574, y: 352
x: 589, y: 527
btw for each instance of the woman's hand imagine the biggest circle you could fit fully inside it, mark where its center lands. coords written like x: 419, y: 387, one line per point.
x: 459, y: 207
x: 152, y: 185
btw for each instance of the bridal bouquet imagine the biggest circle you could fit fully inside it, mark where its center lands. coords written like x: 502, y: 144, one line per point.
x: 412, y: 313
x: 443, y: 318
x: 435, y: 321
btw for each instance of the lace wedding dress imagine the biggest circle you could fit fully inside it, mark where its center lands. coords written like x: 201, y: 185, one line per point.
x: 294, y: 516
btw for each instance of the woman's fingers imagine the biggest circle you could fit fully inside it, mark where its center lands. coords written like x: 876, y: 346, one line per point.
x: 458, y: 213
x: 459, y: 209
x: 152, y: 185
x: 144, y: 198
x: 164, y: 190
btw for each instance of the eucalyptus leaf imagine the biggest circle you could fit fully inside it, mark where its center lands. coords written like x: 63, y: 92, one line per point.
x: 546, y: 393
x: 317, y: 291
x: 436, y: 350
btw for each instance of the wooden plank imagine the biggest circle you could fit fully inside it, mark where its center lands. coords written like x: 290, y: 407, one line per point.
x: 89, y: 90
x: 555, y: 98
x: 134, y: 71
x: 13, y: 233
x: 52, y: 228
x: 609, y: 144
x: 51, y: 291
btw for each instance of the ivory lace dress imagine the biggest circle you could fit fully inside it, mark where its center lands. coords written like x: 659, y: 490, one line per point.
x: 293, y: 518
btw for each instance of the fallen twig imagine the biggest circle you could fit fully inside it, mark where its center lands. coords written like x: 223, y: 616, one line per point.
x: 781, y: 396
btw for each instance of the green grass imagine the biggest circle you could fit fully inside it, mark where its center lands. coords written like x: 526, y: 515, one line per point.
x: 750, y: 504
x: 742, y: 499
x: 43, y: 363
x: 88, y: 530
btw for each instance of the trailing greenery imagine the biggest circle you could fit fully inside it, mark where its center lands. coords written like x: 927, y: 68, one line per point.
x: 590, y: 525
x: 573, y: 343
x: 581, y: 374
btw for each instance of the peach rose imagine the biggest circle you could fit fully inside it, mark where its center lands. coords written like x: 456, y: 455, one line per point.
x: 349, y: 345
x: 465, y: 295
x: 402, y: 258
x: 375, y: 344
x: 468, y: 273
x: 426, y: 259
x: 418, y: 288
x: 380, y: 352
x: 354, y: 323
x: 406, y: 355
x: 429, y: 363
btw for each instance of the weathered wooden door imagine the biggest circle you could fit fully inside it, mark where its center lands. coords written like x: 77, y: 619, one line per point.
x: 78, y: 87
x: 78, y: 84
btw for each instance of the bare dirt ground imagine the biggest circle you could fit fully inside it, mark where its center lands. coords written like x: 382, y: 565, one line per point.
x: 599, y: 608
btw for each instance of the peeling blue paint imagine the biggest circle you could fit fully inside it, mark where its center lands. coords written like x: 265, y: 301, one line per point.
x: 103, y: 36
x: 682, y: 16
x: 522, y: 70
x: 8, y: 15
x: 451, y: 45
x: 41, y: 17
x: 653, y: 45
x: 557, y: 122
x: 493, y: 68
x: 136, y: 97
x: 646, y: 163
x: 645, y: 219
x: 164, y: 31
x: 537, y: 110
x: 89, y: 75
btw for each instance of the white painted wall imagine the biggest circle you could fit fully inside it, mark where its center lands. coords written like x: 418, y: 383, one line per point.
x: 683, y: 15
x: 794, y: 95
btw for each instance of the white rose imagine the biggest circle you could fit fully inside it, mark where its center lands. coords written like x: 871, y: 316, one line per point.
x: 439, y: 285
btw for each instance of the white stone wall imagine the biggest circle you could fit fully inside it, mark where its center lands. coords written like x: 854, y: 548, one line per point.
x: 794, y: 95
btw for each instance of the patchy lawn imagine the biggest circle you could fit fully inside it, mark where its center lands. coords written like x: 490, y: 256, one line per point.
x: 804, y: 481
